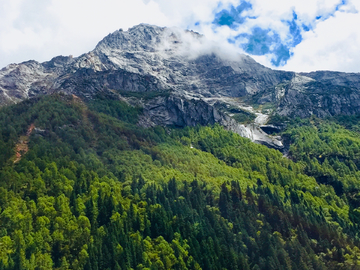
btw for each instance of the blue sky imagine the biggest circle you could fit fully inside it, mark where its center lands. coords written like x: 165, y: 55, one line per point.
x: 258, y: 40
x: 299, y: 35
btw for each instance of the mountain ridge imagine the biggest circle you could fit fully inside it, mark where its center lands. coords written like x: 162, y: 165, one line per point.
x: 116, y: 168
x: 182, y: 67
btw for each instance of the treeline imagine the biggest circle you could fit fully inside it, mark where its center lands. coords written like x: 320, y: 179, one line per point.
x: 95, y: 191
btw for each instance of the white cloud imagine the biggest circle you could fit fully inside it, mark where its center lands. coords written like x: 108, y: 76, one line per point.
x: 193, y: 45
x: 333, y: 45
x: 333, y: 42
x: 42, y: 29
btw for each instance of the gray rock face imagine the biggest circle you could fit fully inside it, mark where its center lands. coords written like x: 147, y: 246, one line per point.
x: 322, y: 94
x: 169, y: 56
x: 175, y: 75
x: 178, y: 111
x: 145, y: 58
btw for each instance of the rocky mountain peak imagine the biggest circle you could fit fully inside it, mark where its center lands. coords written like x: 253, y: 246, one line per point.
x: 142, y: 37
x: 181, y: 78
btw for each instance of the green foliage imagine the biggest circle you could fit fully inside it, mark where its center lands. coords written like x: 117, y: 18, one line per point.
x: 117, y: 109
x: 240, y: 115
x: 95, y: 191
x: 276, y: 119
x: 330, y: 153
x: 244, y: 117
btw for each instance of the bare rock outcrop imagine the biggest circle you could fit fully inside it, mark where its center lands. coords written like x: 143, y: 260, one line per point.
x: 174, y: 74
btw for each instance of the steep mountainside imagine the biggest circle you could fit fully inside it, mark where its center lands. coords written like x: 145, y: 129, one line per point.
x: 146, y: 58
x: 83, y: 187
x: 180, y: 79
x: 118, y: 159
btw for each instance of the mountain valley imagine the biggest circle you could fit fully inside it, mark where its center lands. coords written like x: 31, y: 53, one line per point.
x: 160, y: 150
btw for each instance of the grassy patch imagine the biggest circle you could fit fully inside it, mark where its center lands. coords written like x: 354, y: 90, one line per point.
x: 244, y: 117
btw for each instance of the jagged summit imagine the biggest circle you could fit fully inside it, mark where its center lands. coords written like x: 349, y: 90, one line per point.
x: 142, y: 37
x: 188, y: 77
x: 182, y: 61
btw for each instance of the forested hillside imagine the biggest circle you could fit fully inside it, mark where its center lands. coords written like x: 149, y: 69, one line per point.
x: 83, y: 187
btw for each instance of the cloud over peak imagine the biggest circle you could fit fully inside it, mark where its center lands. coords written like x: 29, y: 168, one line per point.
x: 288, y: 34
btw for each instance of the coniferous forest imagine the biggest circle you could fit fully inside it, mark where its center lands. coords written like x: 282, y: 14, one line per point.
x: 83, y: 187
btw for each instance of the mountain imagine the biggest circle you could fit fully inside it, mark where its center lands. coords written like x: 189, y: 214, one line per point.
x: 82, y: 186
x: 181, y: 79
x: 120, y: 159
x: 144, y: 59
x: 148, y: 58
